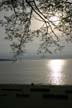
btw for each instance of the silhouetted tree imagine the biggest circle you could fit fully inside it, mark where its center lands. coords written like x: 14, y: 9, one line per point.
x: 18, y: 24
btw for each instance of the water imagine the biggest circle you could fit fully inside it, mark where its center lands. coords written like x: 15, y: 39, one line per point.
x: 54, y: 72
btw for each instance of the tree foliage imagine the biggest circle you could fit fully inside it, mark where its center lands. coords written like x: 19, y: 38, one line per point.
x: 18, y: 24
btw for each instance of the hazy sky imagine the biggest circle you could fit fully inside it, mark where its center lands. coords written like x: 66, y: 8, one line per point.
x: 5, y: 50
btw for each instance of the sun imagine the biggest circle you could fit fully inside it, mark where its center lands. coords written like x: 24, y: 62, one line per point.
x: 55, y: 19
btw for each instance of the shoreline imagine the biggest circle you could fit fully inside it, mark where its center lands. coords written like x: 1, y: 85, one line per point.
x: 35, y: 96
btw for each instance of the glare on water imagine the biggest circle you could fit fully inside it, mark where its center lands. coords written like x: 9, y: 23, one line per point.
x: 56, y: 67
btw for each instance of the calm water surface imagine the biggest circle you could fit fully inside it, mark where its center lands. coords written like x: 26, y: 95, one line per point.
x: 54, y: 72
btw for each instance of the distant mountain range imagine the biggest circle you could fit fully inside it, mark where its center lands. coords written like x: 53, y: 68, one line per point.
x: 7, y: 59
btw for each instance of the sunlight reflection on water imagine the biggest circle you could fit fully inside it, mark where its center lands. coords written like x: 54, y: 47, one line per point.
x: 56, y: 67
x: 51, y: 72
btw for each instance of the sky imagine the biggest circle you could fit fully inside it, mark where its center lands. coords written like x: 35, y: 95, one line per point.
x: 32, y: 47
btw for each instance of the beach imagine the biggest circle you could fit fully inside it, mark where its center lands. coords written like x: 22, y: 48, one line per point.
x: 36, y: 84
x: 35, y: 96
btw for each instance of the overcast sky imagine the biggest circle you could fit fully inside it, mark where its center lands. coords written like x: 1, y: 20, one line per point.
x: 5, y: 50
